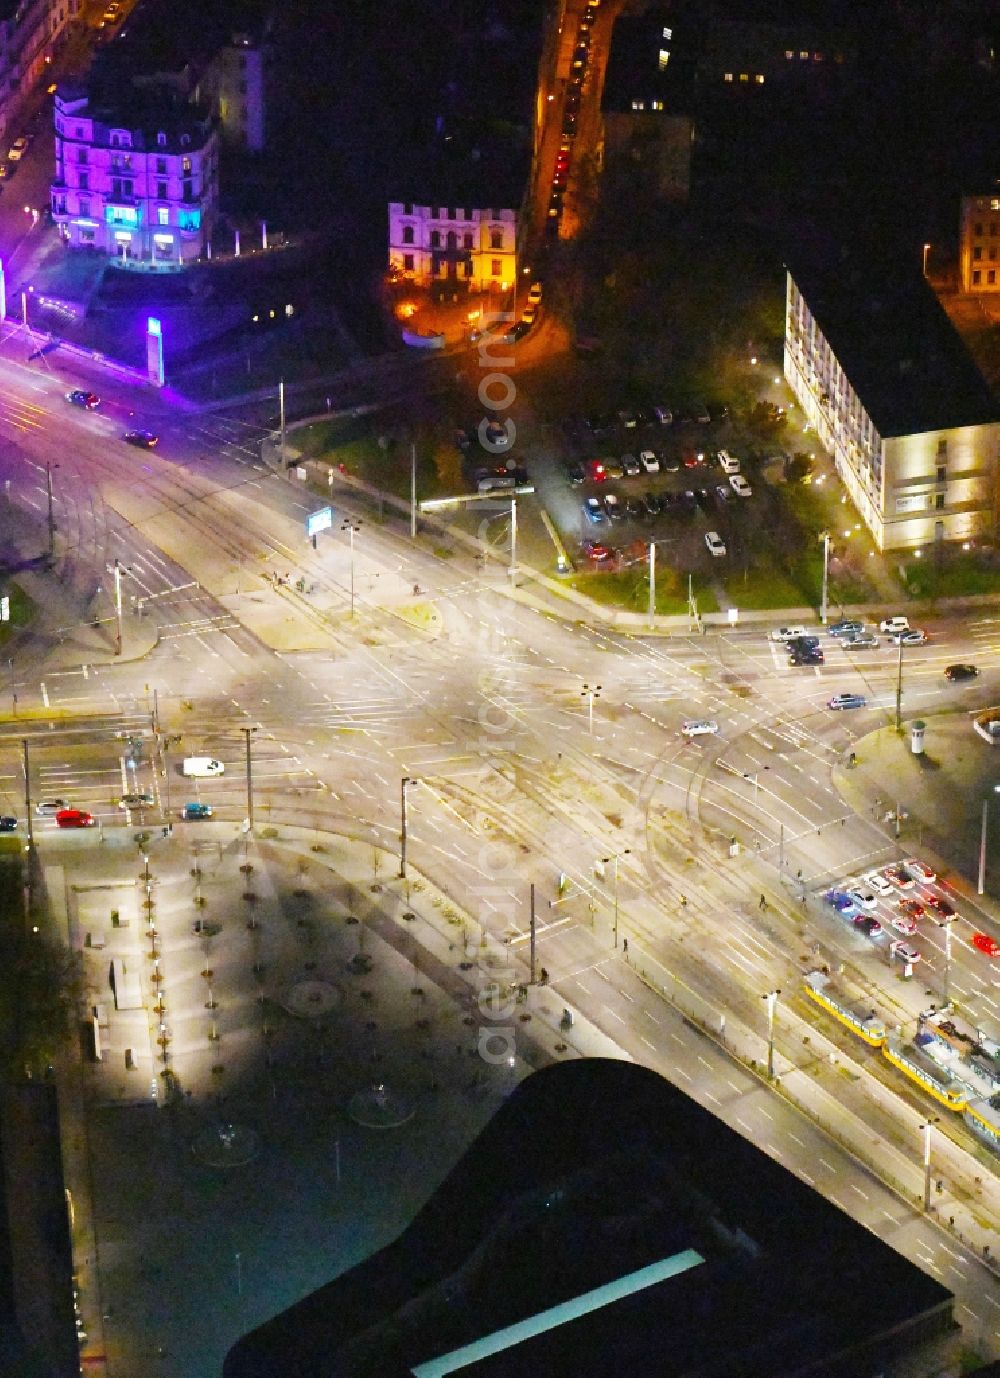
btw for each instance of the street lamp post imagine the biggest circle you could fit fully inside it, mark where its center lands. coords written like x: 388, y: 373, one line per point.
x: 947, y: 961
x: 513, y: 539
x: 406, y: 780
x: 926, y: 1130
x: 899, y: 689
x: 591, y: 692
x: 118, y: 607
x: 351, y: 527
x: 652, y: 582
x: 51, y: 512
x: 626, y: 851
x: 772, y: 999
x: 248, y: 733
x: 826, y: 576
x: 927, y: 249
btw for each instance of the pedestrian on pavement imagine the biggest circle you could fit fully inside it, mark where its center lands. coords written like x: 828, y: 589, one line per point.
x: 763, y: 902
x: 684, y: 900
x: 625, y: 948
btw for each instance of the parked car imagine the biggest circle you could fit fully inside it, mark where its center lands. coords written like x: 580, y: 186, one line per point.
x: 634, y: 509
x: 847, y: 626
x: 911, y: 907
x: 847, y: 701
x: 202, y: 767
x: 740, y: 486
x: 593, y: 511
x: 8, y: 823
x: 598, y: 553
x: 954, y: 673
x: 574, y: 472
x: 841, y: 901
x: 902, y: 923
x: 17, y: 150
x: 139, y: 800
x: 716, y: 545
x: 812, y: 657
x: 898, y: 877
x: 195, y: 810
x: 894, y: 624
x: 663, y: 415
x: 75, y: 818
x: 631, y: 466
x: 653, y: 504
x: 628, y: 418
x: 613, y: 468
x: 649, y: 461
x: 864, y: 899
x: 904, y: 952
x: 535, y: 290
x: 787, y: 633
x: 875, y: 880
x: 597, y: 473
x: 48, y: 808
x: 860, y: 641
x: 913, y: 637
x: 699, y: 727
x: 868, y: 925
x: 613, y: 507
x: 808, y: 642
x: 941, y: 906
x: 730, y: 464
x: 918, y: 870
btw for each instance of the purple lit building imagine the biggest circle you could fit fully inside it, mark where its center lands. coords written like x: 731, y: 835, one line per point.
x: 136, y: 179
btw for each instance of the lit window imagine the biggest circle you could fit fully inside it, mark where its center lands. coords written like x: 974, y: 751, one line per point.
x: 728, y: 76
x: 161, y: 139
x: 744, y: 76
x: 656, y: 105
x: 664, y: 58
x: 789, y: 55
x: 803, y: 57
x: 817, y: 57
x: 668, y: 34
x: 163, y: 215
x: 995, y: 205
x: 759, y: 78
x: 638, y: 105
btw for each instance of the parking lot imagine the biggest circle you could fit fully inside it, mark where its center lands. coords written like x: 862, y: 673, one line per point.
x: 639, y: 476
x: 890, y: 905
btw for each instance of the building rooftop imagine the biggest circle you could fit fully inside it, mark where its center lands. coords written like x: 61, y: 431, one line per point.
x: 604, y: 1223
x: 894, y: 341
x: 651, y: 58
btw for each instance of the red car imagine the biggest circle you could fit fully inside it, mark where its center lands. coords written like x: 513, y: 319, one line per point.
x: 986, y: 944
x: 598, y: 553
x: 691, y: 460
x: 942, y: 906
x: 598, y: 473
x: 911, y: 907
x: 75, y: 818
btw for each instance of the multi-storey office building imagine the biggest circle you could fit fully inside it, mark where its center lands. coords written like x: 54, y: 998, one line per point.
x: 892, y: 393
x: 979, y: 243
x: 138, y: 181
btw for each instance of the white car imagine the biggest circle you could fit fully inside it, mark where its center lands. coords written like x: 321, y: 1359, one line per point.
x: 48, y: 808
x: 904, y: 952
x: 740, y: 486
x: 876, y: 881
x: 649, y: 461
x: 864, y: 899
x: 787, y: 633
x: 716, y: 545
x: 902, y: 923
x: 535, y: 293
x: 699, y: 727
x: 664, y: 415
x: 202, y: 767
x: 17, y: 150
x: 919, y: 871
x: 730, y: 464
x: 894, y: 624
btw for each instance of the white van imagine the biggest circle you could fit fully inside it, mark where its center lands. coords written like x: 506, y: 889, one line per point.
x: 202, y: 767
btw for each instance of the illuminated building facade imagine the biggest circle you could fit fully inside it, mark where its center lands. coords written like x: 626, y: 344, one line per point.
x: 139, y: 183
x: 462, y: 246
x: 29, y: 35
x: 979, y: 244
x: 892, y: 394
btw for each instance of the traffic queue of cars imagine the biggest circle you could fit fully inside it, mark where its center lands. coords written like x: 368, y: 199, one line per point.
x: 66, y: 815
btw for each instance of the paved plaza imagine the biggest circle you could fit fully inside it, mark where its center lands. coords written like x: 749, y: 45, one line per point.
x: 326, y: 1065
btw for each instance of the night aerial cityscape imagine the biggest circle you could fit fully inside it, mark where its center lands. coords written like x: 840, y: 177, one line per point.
x: 499, y: 674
